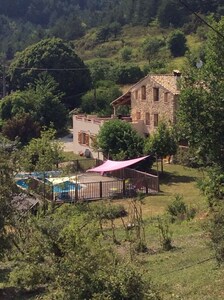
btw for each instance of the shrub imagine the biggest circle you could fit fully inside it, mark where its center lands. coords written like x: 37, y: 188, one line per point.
x: 109, y: 212
x: 126, y: 53
x: 165, y: 233
x: 151, y: 47
x: 178, y: 210
x: 216, y: 230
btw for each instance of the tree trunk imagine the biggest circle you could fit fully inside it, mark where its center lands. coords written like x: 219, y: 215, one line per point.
x: 162, y: 165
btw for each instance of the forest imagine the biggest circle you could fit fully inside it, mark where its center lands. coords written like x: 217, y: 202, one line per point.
x: 25, y: 22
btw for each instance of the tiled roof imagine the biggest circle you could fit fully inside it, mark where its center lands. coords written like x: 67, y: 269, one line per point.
x: 168, y: 81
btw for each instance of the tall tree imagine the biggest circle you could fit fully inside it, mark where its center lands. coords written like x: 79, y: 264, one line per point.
x: 177, y: 43
x: 202, y: 102
x: 58, y: 58
x: 39, y: 106
x: 171, y: 13
x: 98, y: 100
x: 42, y: 154
x: 162, y: 143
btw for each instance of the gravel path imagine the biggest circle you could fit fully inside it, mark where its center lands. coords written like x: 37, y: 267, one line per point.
x: 67, y: 142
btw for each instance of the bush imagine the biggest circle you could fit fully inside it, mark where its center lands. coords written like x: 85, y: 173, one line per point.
x: 108, y: 212
x: 126, y: 53
x: 178, y: 210
x: 216, y: 230
x: 151, y: 47
x: 187, y: 157
x: 165, y: 233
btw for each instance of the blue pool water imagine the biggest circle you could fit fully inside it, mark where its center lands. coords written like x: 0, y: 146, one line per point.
x: 22, y: 183
x: 67, y: 186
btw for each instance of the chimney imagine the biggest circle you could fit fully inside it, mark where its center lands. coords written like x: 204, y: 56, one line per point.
x: 176, y: 73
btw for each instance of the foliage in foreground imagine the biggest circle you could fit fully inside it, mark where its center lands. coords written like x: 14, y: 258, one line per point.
x: 212, y: 187
x: 7, y: 188
x: 201, y: 102
x: 65, y: 252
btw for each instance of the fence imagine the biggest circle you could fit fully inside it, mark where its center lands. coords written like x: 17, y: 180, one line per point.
x: 140, y: 179
x: 127, y: 183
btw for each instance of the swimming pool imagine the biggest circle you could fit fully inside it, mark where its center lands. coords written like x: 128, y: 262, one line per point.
x: 67, y: 186
x: 22, y: 183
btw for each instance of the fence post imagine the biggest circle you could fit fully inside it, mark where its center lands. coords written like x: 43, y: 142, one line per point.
x: 77, y: 165
x: 101, y: 189
x: 146, y: 186
x: 124, y: 187
x: 157, y: 183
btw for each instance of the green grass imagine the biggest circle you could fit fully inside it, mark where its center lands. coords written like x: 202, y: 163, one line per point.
x: 189, y: 270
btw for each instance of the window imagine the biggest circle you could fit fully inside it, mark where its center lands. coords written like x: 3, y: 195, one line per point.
x: 136, y: 94
x: 147, y: 118
x: 138, y: 115
x: 156, y: 120
x: 155, y: 94
x: 83, y: 138
x: 166, y: 97
x: 143, y: 90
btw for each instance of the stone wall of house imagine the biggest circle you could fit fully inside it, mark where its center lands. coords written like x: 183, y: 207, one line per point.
x: 149, y: 108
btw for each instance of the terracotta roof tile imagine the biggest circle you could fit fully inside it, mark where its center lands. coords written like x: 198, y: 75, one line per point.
x: 168, y: 81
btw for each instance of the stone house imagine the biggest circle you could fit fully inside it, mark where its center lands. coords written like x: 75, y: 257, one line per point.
x: 151, y: 100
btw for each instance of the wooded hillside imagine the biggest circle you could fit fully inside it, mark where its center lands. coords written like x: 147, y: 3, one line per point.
x: 24, y: 22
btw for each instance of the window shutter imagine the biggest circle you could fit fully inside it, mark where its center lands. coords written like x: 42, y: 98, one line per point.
x: 87, y: 140
x: 80, y: 137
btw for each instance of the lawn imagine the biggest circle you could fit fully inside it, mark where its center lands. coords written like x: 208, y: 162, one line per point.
x: 189, y: 270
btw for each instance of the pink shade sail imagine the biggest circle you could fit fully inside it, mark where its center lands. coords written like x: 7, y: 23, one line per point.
x: 111, y: 165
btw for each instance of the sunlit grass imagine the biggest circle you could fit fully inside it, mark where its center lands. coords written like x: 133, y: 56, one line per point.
x: 189, y: 270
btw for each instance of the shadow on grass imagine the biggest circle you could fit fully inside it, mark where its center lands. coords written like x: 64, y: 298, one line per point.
x: 172, y: 178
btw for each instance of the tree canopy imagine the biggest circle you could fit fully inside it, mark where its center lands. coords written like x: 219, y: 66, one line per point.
x: 202, y: 101
x: 70, y: 19
x: 57, y: 58
x: 118, y: 140
x: 177, y: 43
x: 162, y: 143
x: 24, y: 113
x: 43, y: 153
x: 98, y: 100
